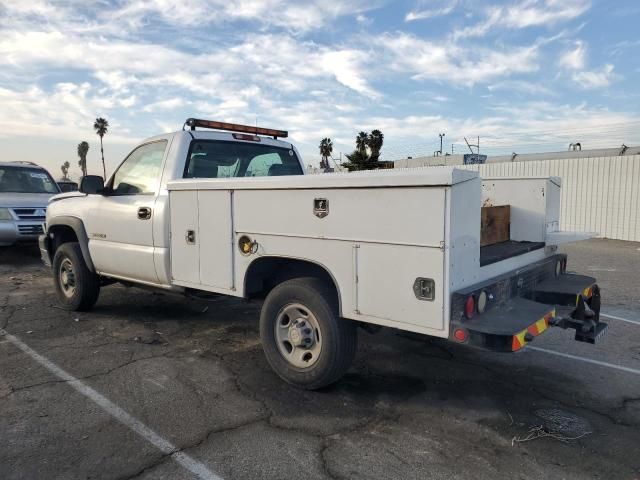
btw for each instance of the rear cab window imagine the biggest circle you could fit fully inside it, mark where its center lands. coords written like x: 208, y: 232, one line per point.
x: 228, y: 159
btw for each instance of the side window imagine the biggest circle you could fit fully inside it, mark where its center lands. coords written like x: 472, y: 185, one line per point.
x: 140, y: 172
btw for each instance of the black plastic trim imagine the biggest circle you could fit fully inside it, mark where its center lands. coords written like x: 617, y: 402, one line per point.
x: 78, y: 227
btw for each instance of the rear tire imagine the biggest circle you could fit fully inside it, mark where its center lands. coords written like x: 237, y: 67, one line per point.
x: 77, y: 287
x: 304, y: 339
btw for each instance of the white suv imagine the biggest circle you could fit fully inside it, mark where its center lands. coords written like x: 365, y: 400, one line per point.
x: 25, y: 190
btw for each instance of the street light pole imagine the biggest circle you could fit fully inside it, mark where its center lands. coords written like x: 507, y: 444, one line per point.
x: 441, y: 135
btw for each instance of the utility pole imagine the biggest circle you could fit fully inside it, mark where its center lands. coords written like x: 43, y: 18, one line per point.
x: 441, y: 135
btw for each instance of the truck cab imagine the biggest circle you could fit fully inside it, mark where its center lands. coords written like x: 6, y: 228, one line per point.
x: 126, y: 219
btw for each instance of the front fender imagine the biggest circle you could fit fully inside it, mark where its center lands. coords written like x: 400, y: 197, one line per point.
x: 81, y: 234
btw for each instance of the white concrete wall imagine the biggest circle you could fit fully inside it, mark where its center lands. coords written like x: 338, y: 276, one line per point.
x: 598, y: 194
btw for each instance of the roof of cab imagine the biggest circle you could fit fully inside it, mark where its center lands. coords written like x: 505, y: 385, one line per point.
x: 217, y: 135
x: 21, y: 164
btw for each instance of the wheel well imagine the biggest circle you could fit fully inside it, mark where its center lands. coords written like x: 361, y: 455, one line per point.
x: 61, y: 234
x: 267, y: 272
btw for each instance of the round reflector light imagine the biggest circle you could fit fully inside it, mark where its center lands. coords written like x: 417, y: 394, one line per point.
x: 460, y: 335
x: 470, y: 307
x: 482, y: 301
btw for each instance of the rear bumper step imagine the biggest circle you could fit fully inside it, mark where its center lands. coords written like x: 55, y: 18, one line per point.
x: 566, y: 301
x: 510, y: 326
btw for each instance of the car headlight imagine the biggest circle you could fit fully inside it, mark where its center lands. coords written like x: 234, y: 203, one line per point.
x: 5, y: 214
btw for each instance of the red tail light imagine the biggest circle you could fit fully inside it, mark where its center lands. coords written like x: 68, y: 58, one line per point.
x: 470, y: 307
x: 563, y: 265
x: 460, y: 335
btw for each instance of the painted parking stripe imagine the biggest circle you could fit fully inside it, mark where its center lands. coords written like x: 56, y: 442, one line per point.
x: 613, y: 317
x: 586, y: 360
x: 165, y: 446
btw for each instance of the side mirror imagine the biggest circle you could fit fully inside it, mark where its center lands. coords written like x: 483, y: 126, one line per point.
x: 92, y: 184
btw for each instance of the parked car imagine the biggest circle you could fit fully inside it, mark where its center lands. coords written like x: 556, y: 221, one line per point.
x: 67, y: 186
x: 25, y: 189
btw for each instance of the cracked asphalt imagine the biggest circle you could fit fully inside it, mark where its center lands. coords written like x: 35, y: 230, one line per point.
x: 410, y: 408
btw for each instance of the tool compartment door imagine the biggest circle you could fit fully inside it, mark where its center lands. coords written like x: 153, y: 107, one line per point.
x: 386, y: 276
x: 386, y: 271
x: 185, y: 251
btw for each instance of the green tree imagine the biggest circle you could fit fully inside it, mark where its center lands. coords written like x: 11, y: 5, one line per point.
x: 326, y: 148
x: 83, y: 149
x: 101, y: 126
x: 367, y: 152
x: 361, y: 142
x: 65, y: 170
x: 374, y: 142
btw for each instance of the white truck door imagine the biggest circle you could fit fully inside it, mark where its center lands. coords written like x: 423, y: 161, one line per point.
x: 120, y: 227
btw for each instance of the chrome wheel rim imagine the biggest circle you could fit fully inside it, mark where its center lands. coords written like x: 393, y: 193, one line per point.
x: 298, y: 335
x: 67, y: 278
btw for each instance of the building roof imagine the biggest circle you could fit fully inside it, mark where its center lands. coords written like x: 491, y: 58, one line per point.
x: 459, y: 159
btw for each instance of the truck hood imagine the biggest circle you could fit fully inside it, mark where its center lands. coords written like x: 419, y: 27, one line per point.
x: 62, y: 196
x: 24, y: 200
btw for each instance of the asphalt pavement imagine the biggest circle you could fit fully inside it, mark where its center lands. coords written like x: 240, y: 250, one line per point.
x: 154, y: 386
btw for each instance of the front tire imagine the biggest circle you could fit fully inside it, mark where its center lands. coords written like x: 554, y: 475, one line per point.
x: 77, y: 287
x: 304, y: 339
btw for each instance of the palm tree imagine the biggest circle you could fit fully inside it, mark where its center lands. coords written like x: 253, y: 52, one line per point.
x: 374, y: 142
x: 83, y: 149
x: 326, y: 148
x: 100, y: 126
x: 361, y: 142
x: 65, y: 170
x: 360, y: 158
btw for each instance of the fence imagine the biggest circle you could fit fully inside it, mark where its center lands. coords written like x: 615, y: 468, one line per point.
x: 598, y: 194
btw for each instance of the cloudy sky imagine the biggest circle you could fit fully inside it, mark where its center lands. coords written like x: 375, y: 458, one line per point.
x: 524, y: 75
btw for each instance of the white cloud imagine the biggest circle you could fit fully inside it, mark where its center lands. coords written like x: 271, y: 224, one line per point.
x: 169, y: 104
x: 290, y: 15
x: 576, y: 58
x: 595, y: 78
x: 445, y: 61
x: 527, y: 13
x: 348, y: 67
x: 424, y: 14
x: 65, y: 112
x: 521, y: 86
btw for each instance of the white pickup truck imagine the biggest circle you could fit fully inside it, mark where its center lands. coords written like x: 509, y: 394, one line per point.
x: 230, y: 212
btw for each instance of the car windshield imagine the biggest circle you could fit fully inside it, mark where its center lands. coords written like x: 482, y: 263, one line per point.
x: 26, y: 180
x: 223, y: 159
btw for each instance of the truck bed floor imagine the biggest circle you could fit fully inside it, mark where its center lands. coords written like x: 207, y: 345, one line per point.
x: 503, y: 250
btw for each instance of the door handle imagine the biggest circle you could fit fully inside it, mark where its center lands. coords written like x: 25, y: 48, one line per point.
x: 190, y: 237
x: 144, y: 213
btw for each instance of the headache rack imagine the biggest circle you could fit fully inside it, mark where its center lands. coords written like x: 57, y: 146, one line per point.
x: 192, y: 123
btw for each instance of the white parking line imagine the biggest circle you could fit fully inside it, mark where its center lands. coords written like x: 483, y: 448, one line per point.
x: 586, y: 360
x: 613, y: 317
x: 165, y: 446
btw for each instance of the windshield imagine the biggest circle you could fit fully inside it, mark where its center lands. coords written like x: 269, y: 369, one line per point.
x: 221, y: 159
x: 26, y: 180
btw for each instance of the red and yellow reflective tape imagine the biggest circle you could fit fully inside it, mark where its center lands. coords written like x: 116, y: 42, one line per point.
x: 586, y: 294
x: 534, y: 329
